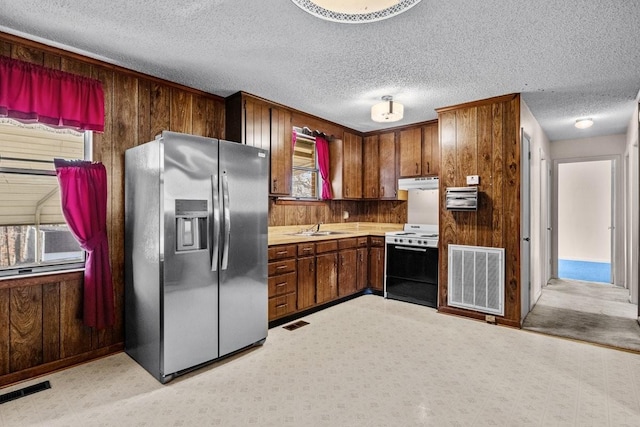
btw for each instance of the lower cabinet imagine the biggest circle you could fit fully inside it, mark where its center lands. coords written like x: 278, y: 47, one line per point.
x: 376, y: 263
x: 282, y: 281
x: 308, y: 274
x: 326, y: 271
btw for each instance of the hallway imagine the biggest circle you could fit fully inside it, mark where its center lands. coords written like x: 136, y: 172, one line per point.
x: 586, y: 311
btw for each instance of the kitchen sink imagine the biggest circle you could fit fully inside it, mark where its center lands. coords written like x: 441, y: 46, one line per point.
x: 318, y: 233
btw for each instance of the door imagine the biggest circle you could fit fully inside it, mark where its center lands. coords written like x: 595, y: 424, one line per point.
x: 525, y: 245
x: 243, y: 250
x: 326, y: 277
x: 585, y: 220
x: 190, y: 288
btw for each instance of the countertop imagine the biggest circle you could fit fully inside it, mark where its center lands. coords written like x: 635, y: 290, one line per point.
x: 282, y: 235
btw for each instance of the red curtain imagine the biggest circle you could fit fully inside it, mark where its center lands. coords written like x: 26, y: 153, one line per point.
x: 83, y: 193
x: 53, y: 97
x: 322, y: 148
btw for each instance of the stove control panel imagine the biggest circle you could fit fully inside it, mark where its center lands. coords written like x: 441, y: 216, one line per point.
x: 413, y: 241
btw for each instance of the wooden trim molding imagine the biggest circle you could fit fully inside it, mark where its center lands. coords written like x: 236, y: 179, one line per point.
x: 57, y: 365
x: 494, y: 100
x: 477, y: 315
x: 88, y: 60
x: 399, y: 128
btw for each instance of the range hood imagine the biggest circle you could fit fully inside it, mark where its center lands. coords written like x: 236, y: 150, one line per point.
x: 421, y: 183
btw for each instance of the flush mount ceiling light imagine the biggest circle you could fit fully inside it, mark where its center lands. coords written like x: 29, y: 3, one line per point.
x: 387, y: 111
x: 584, y: 123
x: 355, y: 11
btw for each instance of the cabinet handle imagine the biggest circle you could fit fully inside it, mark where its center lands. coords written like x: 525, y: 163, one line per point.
x: 275, y: 184
x: 311, y: 267
x: 280, y: 267
x: 381, y: 191
x: 281, y: 253
x: 342, y: 260
x: 306, y: 249
x: 279, y: 285
x: 428, y: 168
x: 416, y: 167
x: 282, y: 305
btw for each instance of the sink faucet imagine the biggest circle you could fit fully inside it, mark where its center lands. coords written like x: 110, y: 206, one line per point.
x: 313, y: 229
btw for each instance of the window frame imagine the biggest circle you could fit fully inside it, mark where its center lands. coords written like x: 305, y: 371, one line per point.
x: 315, y: 170
x: 51, y: 267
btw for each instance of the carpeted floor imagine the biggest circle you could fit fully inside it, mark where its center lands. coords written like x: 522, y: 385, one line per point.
x: 586, y: 311
x: 584, y: 270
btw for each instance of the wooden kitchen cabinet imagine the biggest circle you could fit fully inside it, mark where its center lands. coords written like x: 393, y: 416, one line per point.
x: 410, y: 149
x: 306, y: 282
x: 258, y: 123
x: 282, y: 281
x: 370, y: 168
x: 326, y: 271
x: 347, y: 267
x: 376, y: 263
x: 387, y: 159
x: 362, y: 263
x: 430, y: 149
x: 346, y: 166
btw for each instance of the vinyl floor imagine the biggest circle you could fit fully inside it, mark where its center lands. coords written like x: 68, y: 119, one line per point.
x: 365, y: 362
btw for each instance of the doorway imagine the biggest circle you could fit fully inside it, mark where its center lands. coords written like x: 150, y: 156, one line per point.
x: 585, y: 220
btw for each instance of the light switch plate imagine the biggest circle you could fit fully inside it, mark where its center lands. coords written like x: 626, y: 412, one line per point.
x: 473, y: 179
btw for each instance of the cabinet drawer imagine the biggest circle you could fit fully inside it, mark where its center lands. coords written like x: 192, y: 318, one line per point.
x: 281, y: 267
x: 377, y: 241
x: 280, y: 252
x: 282, y: 284
x: 282, y: 305
x: 326, y: 246
x: 362, y: 242
x: 306, y: 249
x: 347, y: 243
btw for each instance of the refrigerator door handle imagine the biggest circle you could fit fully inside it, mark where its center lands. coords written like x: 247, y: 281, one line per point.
x: 215, y: 241
x: 227, y: 221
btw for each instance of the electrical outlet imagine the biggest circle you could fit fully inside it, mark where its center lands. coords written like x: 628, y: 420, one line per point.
x: 473, y: 179
x: 345, y: 215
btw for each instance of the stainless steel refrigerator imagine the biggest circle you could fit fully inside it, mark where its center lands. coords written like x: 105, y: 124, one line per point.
x: 195, y: 251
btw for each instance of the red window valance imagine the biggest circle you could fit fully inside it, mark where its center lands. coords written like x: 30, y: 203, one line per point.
x: 36, y: 93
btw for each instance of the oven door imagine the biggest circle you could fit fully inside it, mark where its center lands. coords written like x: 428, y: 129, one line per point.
x: 411, y: 274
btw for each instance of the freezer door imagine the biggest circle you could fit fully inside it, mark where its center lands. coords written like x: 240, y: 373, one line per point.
x: 190, y: 287
x: 243, y: 269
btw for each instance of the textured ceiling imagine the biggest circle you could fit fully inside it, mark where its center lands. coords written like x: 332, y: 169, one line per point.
x: 568, y: 58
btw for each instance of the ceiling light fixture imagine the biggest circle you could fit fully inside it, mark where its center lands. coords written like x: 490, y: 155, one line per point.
x: 584, y: 123
x: 387, y: 111
x: 355, y: 11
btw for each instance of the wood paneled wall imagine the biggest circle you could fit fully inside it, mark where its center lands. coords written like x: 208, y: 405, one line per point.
x: 483, y: 138
x: 332, y: 212
x: 39, y: 329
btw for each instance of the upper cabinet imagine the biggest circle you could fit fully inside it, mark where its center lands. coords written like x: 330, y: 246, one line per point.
x: 370, y: 168
x: 430, y: 149
x: 410, y: 148
x: 346, y: 166
x: 258, y: 123
x: 387, y: 159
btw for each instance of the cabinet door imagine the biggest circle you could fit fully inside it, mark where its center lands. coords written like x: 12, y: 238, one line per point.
x: 387, y: 156
x: 430, y: 149
x: 376, y: 268
x: 411, y: 152
x: 257, y: 124
x: 362, y: 270
x: 347, y: 284
x: 326, y: 277
x: 352, y: 166
x: 306, y: 282
x: 280, y: 152
x: 370, y: 168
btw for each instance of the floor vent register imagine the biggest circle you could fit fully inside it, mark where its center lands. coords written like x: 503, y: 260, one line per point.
x: 296, y: 325
x: 26, y: 391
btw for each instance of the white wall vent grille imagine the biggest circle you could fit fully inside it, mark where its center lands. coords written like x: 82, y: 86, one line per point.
x: 476, y: 278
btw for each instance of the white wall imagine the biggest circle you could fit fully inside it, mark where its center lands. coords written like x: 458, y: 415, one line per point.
x: 590, y: 149
x: 583, y: 220
x: 540, y: 149
x: 632, y: 243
